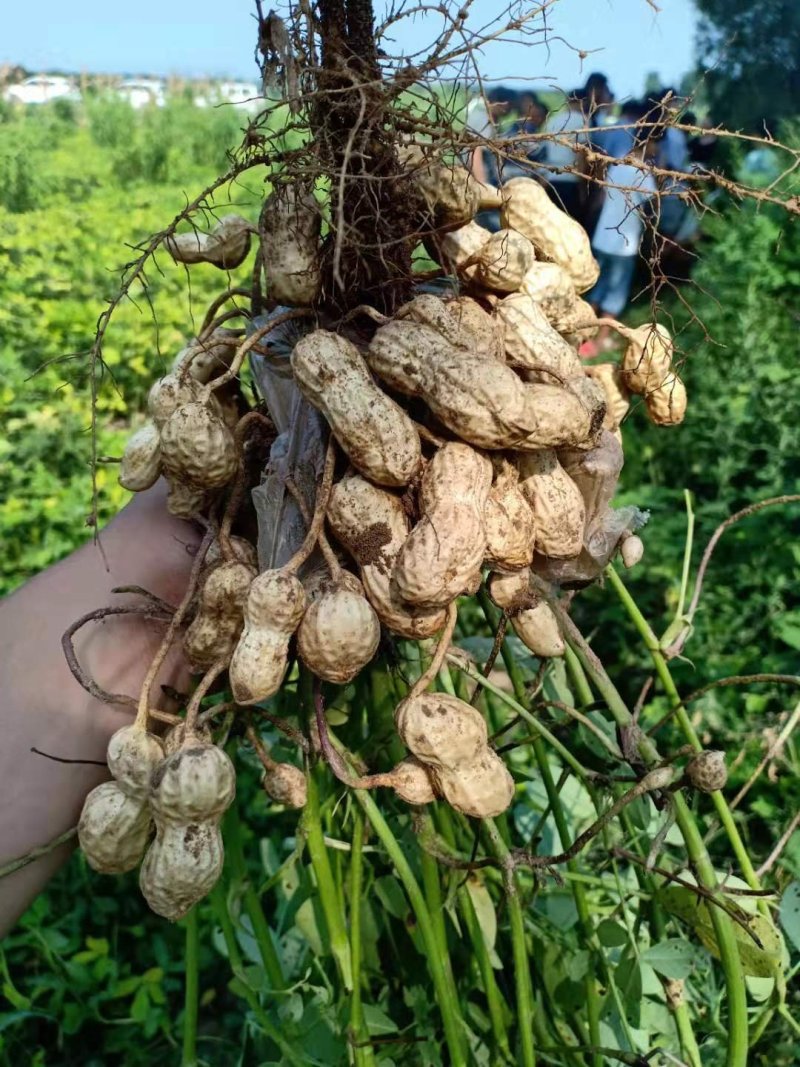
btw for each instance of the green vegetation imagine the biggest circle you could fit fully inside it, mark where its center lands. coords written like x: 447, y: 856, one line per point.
x: 91, y: 977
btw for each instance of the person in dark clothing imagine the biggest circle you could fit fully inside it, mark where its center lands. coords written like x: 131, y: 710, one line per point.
x: 532, y: 116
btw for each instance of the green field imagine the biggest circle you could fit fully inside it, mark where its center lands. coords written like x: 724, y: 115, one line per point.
x: 90, y: 977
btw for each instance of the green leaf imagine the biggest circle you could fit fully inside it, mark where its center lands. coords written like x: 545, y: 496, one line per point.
x: 612, y: 934
x: 674, y: 958
x: 789, y: 913
x: 378, y: 1022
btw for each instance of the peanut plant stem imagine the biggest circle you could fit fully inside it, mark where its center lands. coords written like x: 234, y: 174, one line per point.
x: 441, y: 975
x: 252, y: 905
x: 498, y: 1009
x: 682, y: 717
x: 220, y: 907
x: 695, y: 847
x: 522, y: 972
x: 191, y: 991
x: 364, y: 1056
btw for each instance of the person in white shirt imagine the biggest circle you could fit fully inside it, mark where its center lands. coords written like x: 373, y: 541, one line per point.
x: 618, y: 233
x: 565, y: 164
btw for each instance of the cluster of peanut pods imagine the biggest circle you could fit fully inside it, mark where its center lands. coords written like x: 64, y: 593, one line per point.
x: 468, y: 443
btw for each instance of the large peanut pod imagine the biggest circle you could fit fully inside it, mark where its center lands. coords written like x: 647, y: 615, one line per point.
x: 503, y: 261
x: 371, y: 524
x: 528, y: 209
x: 647, y: 360
x: 374, y: 431
x: 509, y: 520
x: 666, y: 406
x: 442, y: 731
x: 442, y: 555
x: 459, y: 248
x: 132, y: 755
x: 557, y: 504
x: 532, y: 619
x: 290, y: 224
x: 531, y: 342
x: 113, y: 829
x: 618, y: 401
x: 549, y: 286
x: 274, y: 607
x: 181, y: 867
x: 340, y: 632
x: 141, y: 460
x: 226, y: 246
x: 481, y: 401
x: 194, y: 784
x: 451, y: 193
x: 197, y: 448
x: 478, y: 329
x: 576, y: 323
x: 215, y: 629
x: 481, y: 789
x: 185, y: 501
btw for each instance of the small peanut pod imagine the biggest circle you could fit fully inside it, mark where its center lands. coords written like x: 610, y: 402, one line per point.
x: 286, y: 784
x: 185, y: 501
x: 374, y: 431
x: 618, y: 401
x: 531, y: 342
x: 509, y: 520
x: 215, y: 629
x: 141, y: 460
x: 503, y: 261
x: 207, y: 359
x: 290, y: 223
x: 631, y: 549
x: 528, y: 209
x: 243, y: 551
x: 442, y: 731
x: 181, y: 867
x: 411, y: 781
x: 195, y: 784
x: 197, y: 448
x: 371, y: 524
x: 340, y: 632
x: 557, y: 504
x: 532, y: 619
x: 443, y: 553
x: 551, y: 287
x: 225, y: 247
x: 666, y: 405
x: 481, y: 789
x: 113, y: 829
x: 458, y: 249
x: 173, y: 391
x: 133, y: 754
x: 647, y: 359
x: 274, y: 607
x: 481, y: 401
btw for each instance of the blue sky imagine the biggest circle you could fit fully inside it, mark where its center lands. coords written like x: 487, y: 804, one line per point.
x: 209, y: 37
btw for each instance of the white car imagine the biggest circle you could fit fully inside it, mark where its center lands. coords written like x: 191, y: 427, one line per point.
x: 142, y: 92
x: 41, y: 89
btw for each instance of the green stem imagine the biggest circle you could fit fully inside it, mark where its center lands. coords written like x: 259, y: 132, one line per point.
x: 192, y: 988
x: 250, y: 899
x: 687, y: 554
x: 443, y: 984
x: 498, y: 1009
x: 522, y: 971
x: 364, y: 1055
x: 433, y: 900
x: 695, y: 847
x: 220, y: 906
x: 682, y: 717
x: 326, y: 887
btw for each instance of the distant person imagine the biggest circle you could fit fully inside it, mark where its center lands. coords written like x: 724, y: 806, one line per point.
x: 618, y: 234
x: 702, y: 146
x: 565, y: 164
x: 676, y: 220
x: 619, y: 137
x: 597, y: 99
x: 526, y: 154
